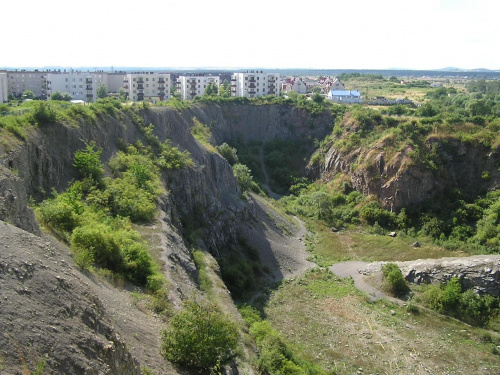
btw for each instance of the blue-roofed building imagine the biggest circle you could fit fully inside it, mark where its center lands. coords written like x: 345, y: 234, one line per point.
x: 345, y: 96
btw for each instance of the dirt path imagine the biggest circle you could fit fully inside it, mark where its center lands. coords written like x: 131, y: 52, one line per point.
x: 352, y: 269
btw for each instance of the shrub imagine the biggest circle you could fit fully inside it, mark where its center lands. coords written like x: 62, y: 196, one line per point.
x: 228, y: 153
x: 43, y: 114
x: 57, y: 214
x: 199, y: 336
x: 371, y: 212
x: 244, y: 176
x: 395, y: 280
x: 88, y: 163
x: 98, y: 239
x: 276, y: 356
x: 129, y: 200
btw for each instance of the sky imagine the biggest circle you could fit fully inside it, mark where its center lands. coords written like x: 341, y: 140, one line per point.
x: 316, y: 34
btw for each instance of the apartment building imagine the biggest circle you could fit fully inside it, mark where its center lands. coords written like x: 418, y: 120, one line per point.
x: 3, y: 87
x: 192, y: 85
x: 80, y: 85
x: 253, y: 84
x: 147, y: 86
x: 22, y: 80
x: 115, y: 81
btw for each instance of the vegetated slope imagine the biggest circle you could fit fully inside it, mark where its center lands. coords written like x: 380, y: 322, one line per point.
x: 403, y: 162
x: 202, y: 204
x: 52, y: 314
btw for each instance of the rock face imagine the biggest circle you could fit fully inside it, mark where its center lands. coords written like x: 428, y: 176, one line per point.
x: 479, y: 272
x: 49, y: 312
x: 399, y: 182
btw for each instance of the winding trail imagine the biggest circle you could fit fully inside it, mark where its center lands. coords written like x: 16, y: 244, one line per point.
x: 352, y: 269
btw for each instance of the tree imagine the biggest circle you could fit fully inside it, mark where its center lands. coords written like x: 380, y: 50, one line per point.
x: 229, y: 153
x: 60, y: 96
x: 28, y: 94
x: 225, y: 89
x: 317, y: 90
x: 211, y: 90
x: 199, y: 336
x: 122, y: 94
x: 317, y: 98
x: 102, y: 91
x: 88, y: 163
x: 244, y: 176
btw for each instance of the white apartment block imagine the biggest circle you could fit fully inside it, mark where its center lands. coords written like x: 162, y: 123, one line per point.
x: 147, y: 86
x: 190, y: 86
x: 115, y: 81
x: 80, y: 85
x: 22, y: 80
x: 3, y: 87
x: 253, y: 84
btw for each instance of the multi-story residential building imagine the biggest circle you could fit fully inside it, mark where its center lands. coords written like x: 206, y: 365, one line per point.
x: 3, y: 87
x: 147, y: 86
x: 253, y: 84
x: 115, y: 81
x: 80, y: 85
x: 22, y: 80
x: 193, y: 85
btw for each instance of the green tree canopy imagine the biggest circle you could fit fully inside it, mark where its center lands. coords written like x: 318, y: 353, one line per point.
x: 199, y: 336
x: 28, y: 94
x: 102, y: 91
x: 61, y: 96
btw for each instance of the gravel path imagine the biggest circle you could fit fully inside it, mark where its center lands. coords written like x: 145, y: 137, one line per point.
x: 353, y: 269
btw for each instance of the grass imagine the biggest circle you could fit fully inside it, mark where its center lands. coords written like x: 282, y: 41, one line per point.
x: 355, y: 243
x: 334, y: 325
x: 203, y: 134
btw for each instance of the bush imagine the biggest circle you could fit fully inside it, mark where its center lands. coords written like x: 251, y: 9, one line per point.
x: 371, y: 212
x: 395, y: 280
x: 276, y: 356
x: 88, y: 163
x: 244, y: 176
x: 98, y: 239
x: 466, y: 306
x: 44, y: 114
x: 199, y: 336
x: 129, y: 200
x: 228, y: 153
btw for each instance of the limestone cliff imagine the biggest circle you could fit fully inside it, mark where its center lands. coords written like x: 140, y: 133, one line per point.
x: 400, y: 179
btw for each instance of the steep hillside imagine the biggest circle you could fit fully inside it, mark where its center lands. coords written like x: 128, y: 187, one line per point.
x: 401, y: 167
x: 38, y: 274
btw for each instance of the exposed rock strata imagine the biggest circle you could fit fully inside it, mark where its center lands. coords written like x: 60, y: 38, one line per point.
x: 398, y: 181
x: 480, y: 272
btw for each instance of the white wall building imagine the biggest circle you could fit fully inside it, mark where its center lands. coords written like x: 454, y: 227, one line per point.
x: 115, y: 81
x: 192, y: 85
x: 294, y: 84
x: 80, y: 85
x: 147, y: 86
x: 3, y: 87
x: 253, y: 84
x: 345, y: 96
x: 22, y: 80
